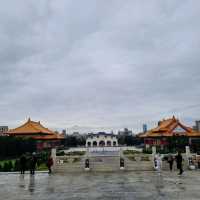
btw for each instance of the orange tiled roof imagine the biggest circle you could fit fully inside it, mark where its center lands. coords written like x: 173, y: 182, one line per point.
x: 30, y: 127
x: 168, y: 127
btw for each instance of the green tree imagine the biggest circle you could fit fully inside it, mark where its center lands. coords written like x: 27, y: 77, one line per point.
x: 10, y: 165
x: 6, y: 167
x: 16, y: 165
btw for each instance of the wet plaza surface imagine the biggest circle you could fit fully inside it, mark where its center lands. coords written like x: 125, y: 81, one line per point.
x: 123, y: 185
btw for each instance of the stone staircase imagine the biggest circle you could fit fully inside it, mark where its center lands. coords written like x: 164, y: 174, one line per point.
x: 68, y: 167
x: 108, y: 163
x: 138, y: 164
x: 105, y: 164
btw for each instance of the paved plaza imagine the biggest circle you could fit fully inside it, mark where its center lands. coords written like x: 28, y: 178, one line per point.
x: 123, y: 185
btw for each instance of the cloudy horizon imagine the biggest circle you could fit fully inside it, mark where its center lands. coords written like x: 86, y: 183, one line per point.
x: 99, y: 63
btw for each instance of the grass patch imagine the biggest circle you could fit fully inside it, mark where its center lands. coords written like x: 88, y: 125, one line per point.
x: 65, y: 160
x: 75, y: 153
x: 130, y: 152
x: 42, y: 167
x: 144, y: 158
x: 76, y: 160
x: 132, y: 158
x: 2, y: 162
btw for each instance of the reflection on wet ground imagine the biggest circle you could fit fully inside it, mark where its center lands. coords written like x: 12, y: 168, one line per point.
x: 134, y: 185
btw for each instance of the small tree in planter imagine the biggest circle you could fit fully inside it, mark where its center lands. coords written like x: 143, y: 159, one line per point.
x: 17, y: 165
x: 6, y: 167
x: 10, y: 165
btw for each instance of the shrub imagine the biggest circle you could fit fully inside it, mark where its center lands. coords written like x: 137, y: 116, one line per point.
x: 16, y: 165
x: 6, y: 167
x: 60, y: 153
x: 10, y: 165
x: 148, y: 151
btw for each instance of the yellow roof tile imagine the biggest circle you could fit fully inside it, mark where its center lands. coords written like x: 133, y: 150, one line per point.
x: 30, y: 127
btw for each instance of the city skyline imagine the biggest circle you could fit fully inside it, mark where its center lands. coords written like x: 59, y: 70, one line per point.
x: 99, y: 64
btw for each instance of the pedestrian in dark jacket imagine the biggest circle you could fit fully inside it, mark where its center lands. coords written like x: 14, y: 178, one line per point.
x: 49, y: 163
x: 170, y: 161
x: 22, y: 164
x: 179, y: 160
x: 33, y: 162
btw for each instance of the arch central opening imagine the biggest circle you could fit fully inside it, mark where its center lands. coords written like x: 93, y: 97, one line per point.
x: 101, y: 143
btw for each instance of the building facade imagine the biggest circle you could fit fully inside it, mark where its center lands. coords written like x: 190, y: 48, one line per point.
x: 168, y: 132
x: 101, y: 139
x: 3, y: 130
x: 44, y: 137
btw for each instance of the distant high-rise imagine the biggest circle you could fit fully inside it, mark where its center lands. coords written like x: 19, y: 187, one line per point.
x: 197, y: 125
x: 125, y: 132
x: 144, y: 128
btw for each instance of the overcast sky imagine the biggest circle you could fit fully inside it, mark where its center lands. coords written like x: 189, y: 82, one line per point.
x: 105, y: 63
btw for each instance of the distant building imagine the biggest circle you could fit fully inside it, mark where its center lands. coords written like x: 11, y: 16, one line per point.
x: 64, y: 132
x: 144, y: 128
x: 45, y: 138
x: 197, y: 126
x: 125, y: 132
x: 101, y: 139
x: 77, y: 135
x: 3, y: 130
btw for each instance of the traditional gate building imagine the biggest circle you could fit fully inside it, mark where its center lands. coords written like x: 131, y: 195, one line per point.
x: 101, y: 139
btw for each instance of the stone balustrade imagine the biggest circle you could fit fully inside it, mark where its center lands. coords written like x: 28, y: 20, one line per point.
x: 108, y: 159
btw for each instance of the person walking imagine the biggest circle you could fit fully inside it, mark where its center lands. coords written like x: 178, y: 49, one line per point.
x: 179, y: 160
x: 50, y: 164
x: 170, y: 161
x: 158, y: 163
x: 22, y: 164
x: 33, y: 162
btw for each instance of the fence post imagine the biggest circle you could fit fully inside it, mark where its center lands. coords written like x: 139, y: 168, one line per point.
x: 153, y: 151
x: 188, y: 156
x: 187, y: 151
x: 53, y: 155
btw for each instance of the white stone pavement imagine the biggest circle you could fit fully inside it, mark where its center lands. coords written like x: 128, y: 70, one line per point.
x: 105, y: 186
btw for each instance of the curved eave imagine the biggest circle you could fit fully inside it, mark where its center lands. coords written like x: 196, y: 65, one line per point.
x: 27, y: 133
x: 48, y: 138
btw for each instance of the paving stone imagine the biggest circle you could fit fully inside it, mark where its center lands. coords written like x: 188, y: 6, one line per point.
x: 105, y: 186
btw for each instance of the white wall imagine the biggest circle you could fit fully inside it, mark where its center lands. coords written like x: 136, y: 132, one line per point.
x: 101, y: 138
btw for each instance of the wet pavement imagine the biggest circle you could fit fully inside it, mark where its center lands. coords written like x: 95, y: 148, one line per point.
x: 123, y: 185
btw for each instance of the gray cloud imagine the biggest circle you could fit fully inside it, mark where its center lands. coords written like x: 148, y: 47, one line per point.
x: 99, y: 63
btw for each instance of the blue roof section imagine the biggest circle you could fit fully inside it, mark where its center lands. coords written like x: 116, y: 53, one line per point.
x: 101, y: 133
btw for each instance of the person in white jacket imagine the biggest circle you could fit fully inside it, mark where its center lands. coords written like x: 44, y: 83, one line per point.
x: 158, y: 162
